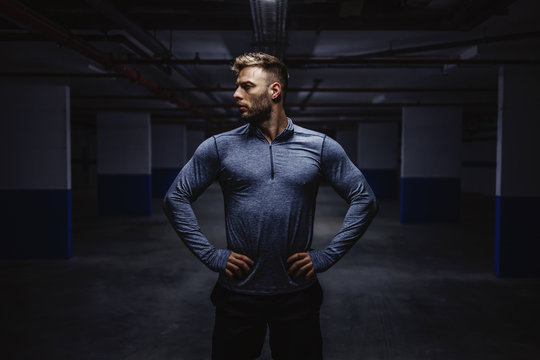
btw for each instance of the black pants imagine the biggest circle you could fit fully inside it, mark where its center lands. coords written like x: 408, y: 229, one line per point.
x: 293, y: 321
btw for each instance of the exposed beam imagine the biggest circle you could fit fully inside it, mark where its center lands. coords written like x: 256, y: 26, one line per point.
x: 351, y: 90
x: 310, y: 90
x: 370, y: 105
x: 60, y: 75
x: 55, y: 32
x: 452, y: 44
x: 295, y: 63
x: 159, y: 50
x: 310, y: 93
x: 295, y: 106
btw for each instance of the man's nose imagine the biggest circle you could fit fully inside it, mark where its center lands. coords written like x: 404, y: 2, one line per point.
x: 237, y: 94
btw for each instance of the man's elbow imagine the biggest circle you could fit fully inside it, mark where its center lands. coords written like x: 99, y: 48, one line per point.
x: 174, y: 197
x: 169, y: 200
x: 165, y: 202
x: 375, y: 206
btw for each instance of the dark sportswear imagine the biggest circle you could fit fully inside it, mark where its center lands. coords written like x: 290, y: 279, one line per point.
x: 269, y: 192
x: 293, y: 321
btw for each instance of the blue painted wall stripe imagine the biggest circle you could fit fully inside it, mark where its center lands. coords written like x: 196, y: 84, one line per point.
x: 162, y: 178
x: 35, y: 224
x: 124, y: 194
x: 517, y: 236
x: 430, y: 200
x: 383, y: 182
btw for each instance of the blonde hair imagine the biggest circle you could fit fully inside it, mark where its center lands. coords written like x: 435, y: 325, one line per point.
x: 271, y: 64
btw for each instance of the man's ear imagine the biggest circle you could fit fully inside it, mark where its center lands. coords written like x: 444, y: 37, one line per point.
x: 275, y: 91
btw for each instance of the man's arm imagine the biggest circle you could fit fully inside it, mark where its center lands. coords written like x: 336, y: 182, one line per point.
x: 351, y: 185
x: 192, y: 180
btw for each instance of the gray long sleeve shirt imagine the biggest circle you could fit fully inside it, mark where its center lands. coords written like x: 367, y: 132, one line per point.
x: 269, y: 192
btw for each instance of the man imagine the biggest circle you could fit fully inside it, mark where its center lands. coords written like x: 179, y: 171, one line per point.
x: 269, y: 171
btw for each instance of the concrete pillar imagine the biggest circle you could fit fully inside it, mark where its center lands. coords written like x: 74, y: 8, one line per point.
x: 430, y: 164
x: 194, y: 139
x: 124, y: 163
x: 168, y: 155
x: 478, y: 167
x: 517, y: 238
x: 348, y: 140
x: 35, y: 185
x: 378, y: 157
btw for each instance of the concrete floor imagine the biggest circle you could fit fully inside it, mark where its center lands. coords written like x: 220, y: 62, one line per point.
x: 133, y: 291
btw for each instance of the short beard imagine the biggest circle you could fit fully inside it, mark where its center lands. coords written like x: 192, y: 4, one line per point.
x: 259, y: 112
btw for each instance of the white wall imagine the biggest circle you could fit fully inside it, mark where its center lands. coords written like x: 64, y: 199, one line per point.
x: 169, y: 146
x: 35, y: 137
x: 194, y: 139
x: 518, y: 128
x: 124, y: 143
x: 431, y: 142
x: 378, y: 145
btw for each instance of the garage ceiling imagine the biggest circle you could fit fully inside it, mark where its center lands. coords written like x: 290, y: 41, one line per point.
x: 349, y: 60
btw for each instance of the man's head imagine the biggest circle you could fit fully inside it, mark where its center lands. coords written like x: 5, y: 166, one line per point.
x: 261, y: 84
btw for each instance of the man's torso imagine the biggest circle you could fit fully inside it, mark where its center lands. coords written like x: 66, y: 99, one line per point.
x: 269, y: 192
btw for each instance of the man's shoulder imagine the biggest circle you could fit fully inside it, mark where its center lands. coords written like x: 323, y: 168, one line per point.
x: 302, y: 131
x: 239, y: 131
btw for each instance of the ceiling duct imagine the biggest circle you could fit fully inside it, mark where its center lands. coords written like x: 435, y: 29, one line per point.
x: 142, y: 36
x: 29, y: 19
x: 270, y: 26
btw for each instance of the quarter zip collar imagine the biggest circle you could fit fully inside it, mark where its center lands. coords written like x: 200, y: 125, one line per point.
x: 285, y: 134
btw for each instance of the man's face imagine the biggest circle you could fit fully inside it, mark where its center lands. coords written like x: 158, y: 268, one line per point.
x: 252, y: 95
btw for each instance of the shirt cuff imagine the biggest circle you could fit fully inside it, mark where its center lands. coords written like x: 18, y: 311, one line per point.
x: 219, y: 260
x: 319, y: 260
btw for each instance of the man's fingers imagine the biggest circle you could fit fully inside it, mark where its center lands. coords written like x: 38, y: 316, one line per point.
x: 310, y: 273
x: 234, y: 268
x: 297, y: 256
x: 243, y: 258
x: 240, y: 263
x: 298, y: 264
x: 240, y: 260
x: 302, y: 264
x: 303, y: 269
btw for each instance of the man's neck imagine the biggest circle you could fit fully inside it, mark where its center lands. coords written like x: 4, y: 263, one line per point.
x: 276, y: 123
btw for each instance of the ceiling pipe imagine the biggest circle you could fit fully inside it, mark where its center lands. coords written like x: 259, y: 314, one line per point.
x: 61, y: 75
x: 375, y: 105
x: 452, y: 44
x: 231, y: 90
x: 354, y: 90
x: 123, y: 38
x: 29, y: 18
x: 322, y: 105
x: 316, y: 84
x: 334, y: 90
x: 270, y: 26
x: 330, y: 117
x: 142, y: 36
x: 389, y: 62
x: 110, y: 11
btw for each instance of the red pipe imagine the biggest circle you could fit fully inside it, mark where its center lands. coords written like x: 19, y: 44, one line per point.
x: 55, y: 32
x: 296, y: 62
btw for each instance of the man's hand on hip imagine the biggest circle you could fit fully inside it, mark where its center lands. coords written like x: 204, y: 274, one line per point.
x: 301, y: 264
x: 238, y: 264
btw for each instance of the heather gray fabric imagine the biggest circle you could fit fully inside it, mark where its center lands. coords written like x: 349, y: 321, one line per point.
x: 269, y: 192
